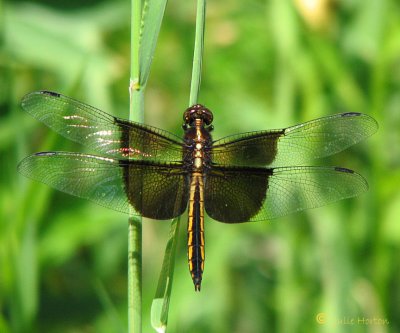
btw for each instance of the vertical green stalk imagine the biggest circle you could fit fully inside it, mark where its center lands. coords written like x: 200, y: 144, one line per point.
x: 135, y: 275
x: 198, y: 52
x: 136, y: 113
x: 161, y: 301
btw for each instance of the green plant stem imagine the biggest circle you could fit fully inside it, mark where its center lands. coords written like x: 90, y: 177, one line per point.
x: 136, y: 113
x: 198, y: 52
x: 135, y: 276
x: 136, y: 10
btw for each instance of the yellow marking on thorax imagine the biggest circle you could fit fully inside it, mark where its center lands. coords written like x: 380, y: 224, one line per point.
x: 198, y: 148
x: 198, y: 125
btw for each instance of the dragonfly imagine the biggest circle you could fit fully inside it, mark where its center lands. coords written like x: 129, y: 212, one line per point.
x: 149, y: 172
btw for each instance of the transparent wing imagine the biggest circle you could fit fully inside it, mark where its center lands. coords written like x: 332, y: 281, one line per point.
x: 153, y: 190
x: 235, y: 195
x: 100, y: 131
x: 294, y: 145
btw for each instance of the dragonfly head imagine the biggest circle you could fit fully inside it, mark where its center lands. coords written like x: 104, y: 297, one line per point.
x: 195, y: 112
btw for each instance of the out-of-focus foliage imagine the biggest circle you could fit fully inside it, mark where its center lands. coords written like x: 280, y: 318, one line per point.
x: 268, y: 64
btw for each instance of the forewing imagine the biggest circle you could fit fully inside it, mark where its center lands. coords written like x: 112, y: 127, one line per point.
x: 100, y: 131
x: 294, y: 145
x: 235, y: 195
x: 158, y: 191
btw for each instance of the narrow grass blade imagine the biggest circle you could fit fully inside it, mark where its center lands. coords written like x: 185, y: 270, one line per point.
x: 160, y: 305
x: 198, y: 52
x: 152, y: 15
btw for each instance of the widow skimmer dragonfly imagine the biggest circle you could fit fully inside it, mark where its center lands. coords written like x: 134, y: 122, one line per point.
x: 147, y: 171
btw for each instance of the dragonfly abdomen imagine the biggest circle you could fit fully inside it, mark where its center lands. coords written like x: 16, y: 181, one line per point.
x: 196, y: 229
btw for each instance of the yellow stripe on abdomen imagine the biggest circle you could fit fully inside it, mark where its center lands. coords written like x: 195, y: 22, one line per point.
x: 196, y: 229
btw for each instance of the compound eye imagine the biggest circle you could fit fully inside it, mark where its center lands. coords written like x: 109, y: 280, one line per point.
x: 207, y: 117
x: 188, y: 117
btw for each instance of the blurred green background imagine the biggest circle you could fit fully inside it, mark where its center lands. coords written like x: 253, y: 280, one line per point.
x: 268, y: 64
